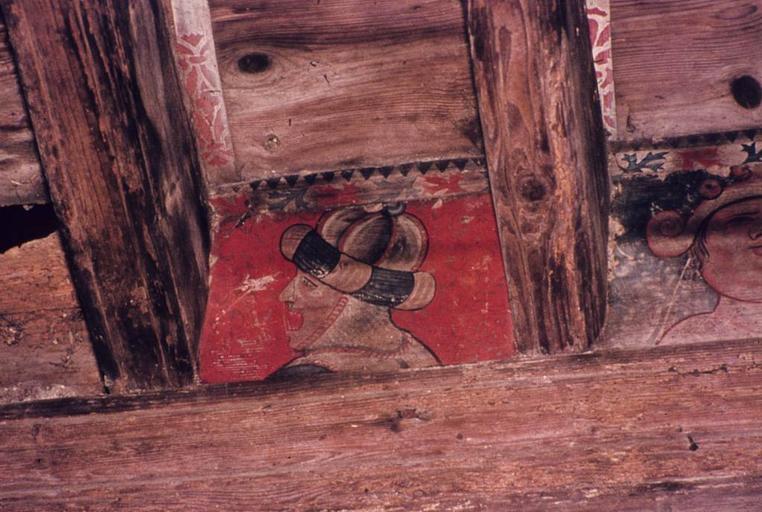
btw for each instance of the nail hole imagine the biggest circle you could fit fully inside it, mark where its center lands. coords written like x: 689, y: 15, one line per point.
x: 746, y: 91
x: 254, y: 63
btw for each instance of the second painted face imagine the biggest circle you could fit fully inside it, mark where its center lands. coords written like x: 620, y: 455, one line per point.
x: 732, y: 264
x: 309, y: 307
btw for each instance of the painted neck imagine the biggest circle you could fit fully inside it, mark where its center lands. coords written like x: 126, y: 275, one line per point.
x: 362, y: 325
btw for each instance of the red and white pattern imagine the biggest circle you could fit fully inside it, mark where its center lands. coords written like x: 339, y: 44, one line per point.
x: 599, y: 19
x: 201, y: 81
x: 197, y: 64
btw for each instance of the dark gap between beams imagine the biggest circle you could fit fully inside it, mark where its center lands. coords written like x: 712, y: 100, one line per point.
x: 20, y: 224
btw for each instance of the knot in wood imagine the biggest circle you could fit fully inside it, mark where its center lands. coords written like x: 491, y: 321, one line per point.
x: 532, y: 189
x: 747, y: 91
x: 254, y: 63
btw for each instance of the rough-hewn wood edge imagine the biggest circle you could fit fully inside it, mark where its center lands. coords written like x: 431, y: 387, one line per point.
x: 681, y: 359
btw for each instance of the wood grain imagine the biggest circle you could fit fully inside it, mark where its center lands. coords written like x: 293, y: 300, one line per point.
x: 21, y: 179
x: 44, y: 347
x: 348, y: 83
x: 674, y: 61
x: 120, y: 162
x: 546, y: 159
x: 664, y: 429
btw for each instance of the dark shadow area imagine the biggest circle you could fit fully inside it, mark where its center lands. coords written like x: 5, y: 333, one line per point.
x: 20, y: 224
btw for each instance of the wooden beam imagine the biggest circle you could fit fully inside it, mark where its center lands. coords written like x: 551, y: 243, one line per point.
x: 120, y: 162
x: 672, y: 428
x: 547, y: 165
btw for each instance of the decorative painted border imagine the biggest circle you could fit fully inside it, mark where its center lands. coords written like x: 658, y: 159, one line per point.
x: 599, y: 19
x: 197, y: 63
x: 714, y: 153
x: 414, y: 181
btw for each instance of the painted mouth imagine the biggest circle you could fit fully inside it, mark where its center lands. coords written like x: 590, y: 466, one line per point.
x: 294, y: 318
x: 756, y: 249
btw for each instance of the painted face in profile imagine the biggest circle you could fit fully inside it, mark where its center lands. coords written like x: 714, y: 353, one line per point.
x: 732, y: 250
x: 309, y: 304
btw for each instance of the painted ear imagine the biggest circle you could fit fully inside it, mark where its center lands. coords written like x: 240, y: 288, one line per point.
x: 667, y: 236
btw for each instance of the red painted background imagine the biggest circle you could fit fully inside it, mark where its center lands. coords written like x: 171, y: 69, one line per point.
x: 244, y: 336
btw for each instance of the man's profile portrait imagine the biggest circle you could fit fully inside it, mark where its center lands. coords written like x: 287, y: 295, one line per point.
x: 353, y: 268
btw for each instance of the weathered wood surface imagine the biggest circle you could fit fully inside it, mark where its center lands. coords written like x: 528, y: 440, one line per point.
x: 315, y: 86
x: 665, y: 429
x: 21, y: 179
x: 121, y: 165
x: 674, y: 61
x: 44, y: 348
x: 546, y: 158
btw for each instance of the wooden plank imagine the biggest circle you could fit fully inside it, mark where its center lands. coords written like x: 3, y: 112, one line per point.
x: 316, y: 86
x: 677, y: 81
x: 664, y: 429
x: 121, y: 165
x: 21, y: 179
x: 44, y: 347
x: 547, y: 165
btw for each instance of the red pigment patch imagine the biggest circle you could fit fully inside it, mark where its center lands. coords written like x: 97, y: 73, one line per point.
x: 245, y: 331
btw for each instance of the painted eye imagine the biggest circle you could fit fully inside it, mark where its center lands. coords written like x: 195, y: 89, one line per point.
x: 308, y: 283
x: 741, y: 219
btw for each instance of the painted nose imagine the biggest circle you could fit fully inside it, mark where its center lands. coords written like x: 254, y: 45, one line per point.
x: 288, y: 293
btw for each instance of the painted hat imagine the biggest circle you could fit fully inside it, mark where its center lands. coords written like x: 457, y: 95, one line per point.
x: 373, y: 256
x: 671, y: 233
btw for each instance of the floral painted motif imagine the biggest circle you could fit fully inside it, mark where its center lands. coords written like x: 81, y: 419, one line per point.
x: 196, y: 62
x: 714, y: 158
x: 599, y: 19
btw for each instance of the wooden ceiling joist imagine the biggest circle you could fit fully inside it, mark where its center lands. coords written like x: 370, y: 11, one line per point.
x: 672, y: 428
x: 546, y: 158
x: 120, y: 162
